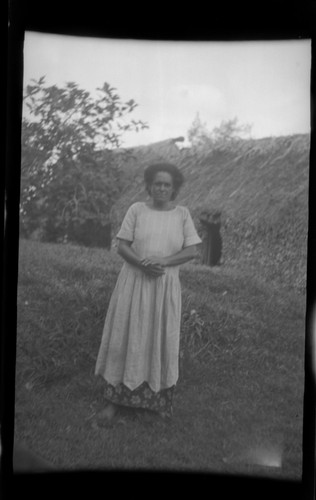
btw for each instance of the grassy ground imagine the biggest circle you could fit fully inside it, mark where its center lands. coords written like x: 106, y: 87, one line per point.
x: 238, y: 405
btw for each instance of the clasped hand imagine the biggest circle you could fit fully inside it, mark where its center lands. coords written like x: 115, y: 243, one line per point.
x: 154, y: 266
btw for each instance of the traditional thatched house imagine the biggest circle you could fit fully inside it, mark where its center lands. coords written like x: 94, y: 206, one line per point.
x: 251, y: 194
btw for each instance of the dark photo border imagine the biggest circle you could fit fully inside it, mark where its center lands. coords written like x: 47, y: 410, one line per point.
x: 236, y: 21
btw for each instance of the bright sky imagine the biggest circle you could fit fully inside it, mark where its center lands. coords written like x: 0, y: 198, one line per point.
x: 265, y: 84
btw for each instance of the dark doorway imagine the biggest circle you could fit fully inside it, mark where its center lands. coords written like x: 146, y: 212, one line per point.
x: 212, y: 240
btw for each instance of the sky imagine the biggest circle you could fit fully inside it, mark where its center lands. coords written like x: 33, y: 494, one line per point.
x: 263, y: 83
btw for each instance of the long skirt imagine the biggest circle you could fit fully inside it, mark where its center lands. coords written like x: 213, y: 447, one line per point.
x: 139, y: 352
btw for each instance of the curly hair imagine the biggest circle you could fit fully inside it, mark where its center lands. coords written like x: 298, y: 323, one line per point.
x: 177, y: 176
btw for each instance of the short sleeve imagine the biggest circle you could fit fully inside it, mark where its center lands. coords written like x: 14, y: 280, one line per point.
x: 189, y: 232
x: 128, y: 225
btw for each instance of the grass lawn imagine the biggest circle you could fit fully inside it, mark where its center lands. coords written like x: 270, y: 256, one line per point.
x: 239, y: 402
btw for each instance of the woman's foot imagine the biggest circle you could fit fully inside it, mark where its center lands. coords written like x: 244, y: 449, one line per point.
x: 107, y: 414
x: 166, y: 416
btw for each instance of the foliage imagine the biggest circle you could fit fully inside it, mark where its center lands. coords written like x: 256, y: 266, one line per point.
x: 69, y: 176
x: 228, y: 132
x: 198, y: 133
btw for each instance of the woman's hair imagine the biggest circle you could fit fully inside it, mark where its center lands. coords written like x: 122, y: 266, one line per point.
x: 177, y: 176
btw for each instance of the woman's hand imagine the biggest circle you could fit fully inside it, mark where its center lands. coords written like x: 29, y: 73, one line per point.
x: 160, y: 261
x: 153, y: 266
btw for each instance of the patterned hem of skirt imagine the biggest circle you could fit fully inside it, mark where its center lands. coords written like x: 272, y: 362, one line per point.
x: 141, y: 397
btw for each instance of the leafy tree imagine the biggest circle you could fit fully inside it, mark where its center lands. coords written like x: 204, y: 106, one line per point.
x: 230, y: 131
x: 69, y: 175
x: 198, y: 133
x: 226, y: 134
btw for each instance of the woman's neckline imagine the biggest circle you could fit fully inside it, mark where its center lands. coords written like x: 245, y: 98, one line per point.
x: 159, y: 210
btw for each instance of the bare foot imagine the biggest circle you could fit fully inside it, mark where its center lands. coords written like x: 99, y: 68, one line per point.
x: 165, y: 416
x: 108, y: 413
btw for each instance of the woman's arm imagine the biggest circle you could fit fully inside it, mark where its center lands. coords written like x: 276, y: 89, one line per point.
x: 181, y: 257
x: 176, y: 259
x: 124, y: 249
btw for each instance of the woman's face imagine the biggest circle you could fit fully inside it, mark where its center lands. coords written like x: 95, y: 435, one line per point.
x: 162, y: 187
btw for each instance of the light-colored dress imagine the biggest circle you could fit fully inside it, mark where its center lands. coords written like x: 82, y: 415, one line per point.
x: 140, y: 341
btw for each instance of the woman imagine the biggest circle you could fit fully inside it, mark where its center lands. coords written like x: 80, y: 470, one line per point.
x: 138, y: 356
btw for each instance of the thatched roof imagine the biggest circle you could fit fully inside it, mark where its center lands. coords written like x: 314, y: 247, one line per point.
x: 250, y: 181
